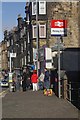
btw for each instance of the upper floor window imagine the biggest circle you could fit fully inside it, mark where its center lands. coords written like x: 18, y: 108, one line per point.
x: 28, y: 38
x: 24, y: 30
x: 8, y: 43
x: 24, y: 45
x: 11, y: 41
x: 42, y: 7
x: 8, y: 53
x: 34, y: 8
x: 25, y: 59
x: 22, y: 61
x: 42, y: 30
x: 34, y: 31
x: 21, y: 48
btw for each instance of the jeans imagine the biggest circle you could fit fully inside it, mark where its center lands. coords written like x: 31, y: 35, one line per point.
x: 46, y: 84
x: 40, y: 85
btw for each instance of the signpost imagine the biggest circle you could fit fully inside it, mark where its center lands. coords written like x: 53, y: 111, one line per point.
x: 10, y: 74
x: 12, y: 55
x: 58, y: 29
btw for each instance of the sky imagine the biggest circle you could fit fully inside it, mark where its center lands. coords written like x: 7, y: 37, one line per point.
x: 9, y: 13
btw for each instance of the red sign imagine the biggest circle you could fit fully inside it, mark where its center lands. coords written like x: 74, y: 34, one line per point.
x: 58, y: 27
x: 58, y: 24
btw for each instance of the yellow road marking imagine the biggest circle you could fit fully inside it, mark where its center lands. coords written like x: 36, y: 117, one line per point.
x: 3, y: 92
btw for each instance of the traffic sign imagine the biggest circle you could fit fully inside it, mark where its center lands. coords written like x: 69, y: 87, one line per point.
x: 58, y: 27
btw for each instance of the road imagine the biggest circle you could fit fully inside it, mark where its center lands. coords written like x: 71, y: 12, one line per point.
x: 3, y: 91
x: 31, y: 104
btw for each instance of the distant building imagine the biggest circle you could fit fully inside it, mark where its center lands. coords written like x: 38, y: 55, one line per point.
x: 4, y: 60
x: 0, y: 58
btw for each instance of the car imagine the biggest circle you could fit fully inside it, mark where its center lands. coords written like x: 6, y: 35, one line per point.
x: 4, y: 83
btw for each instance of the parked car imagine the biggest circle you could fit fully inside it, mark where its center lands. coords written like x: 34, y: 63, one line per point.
x: 4, y: 83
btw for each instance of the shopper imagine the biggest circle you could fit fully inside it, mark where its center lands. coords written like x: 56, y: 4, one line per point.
x: 41, y: 81
x: 34, y: 80
x: 24, y: 79
x: 46, y: 79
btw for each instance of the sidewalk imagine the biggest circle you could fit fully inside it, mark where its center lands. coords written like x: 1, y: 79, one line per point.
x: 31, y: 104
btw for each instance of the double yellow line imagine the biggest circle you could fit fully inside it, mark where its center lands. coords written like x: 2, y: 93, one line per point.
x: 3, y: 92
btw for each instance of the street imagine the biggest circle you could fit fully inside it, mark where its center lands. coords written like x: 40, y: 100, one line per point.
x: 31, y: 104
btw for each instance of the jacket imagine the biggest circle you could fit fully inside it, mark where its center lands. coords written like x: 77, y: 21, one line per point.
x: 41, y: 77
x: 46, y: 78
x: 34, y: 78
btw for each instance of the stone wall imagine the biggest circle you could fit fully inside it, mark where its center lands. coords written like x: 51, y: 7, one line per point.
x: 69, y: 11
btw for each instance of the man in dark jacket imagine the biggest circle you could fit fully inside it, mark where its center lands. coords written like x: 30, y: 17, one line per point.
x: 24, y: 80
x: 46, y: 79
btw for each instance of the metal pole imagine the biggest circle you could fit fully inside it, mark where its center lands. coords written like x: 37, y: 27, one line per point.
x: 59, y: 84
x: 37, y: 32
x: 10, y: 62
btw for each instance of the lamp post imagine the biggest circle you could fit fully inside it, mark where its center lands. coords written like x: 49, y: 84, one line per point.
x: 37, y: 45
x: 59, y: 78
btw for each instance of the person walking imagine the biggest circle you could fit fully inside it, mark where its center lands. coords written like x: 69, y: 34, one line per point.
x: 18, y: 83
x: 41, y: 81
x: 24, y: 79
x: 46, y: 80
x: 34, y: 80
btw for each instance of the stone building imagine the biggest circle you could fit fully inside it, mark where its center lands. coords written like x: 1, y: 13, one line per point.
x: 0, y: 58
x: 4, y: 60
x: 57, y: 11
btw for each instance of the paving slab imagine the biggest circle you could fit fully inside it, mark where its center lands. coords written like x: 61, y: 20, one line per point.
x: 31, y: 104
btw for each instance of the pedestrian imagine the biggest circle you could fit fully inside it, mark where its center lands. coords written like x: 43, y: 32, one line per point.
x: 28, y: 79
x: 41, y: 81
x: 34, y: 80
x: 46, y: 79
x: 18, y: 83
x: 24, y: 79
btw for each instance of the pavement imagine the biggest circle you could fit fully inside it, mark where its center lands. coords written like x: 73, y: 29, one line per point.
x: 31, y: 104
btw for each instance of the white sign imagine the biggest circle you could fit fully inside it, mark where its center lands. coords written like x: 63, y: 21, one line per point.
x: 58, y: 27
x: 48, y: 58
x: 12, y: 54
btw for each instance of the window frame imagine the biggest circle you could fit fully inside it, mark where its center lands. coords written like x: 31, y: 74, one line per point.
x: 33, y: 26
x: 33, y: 8
x: 44, y: 30
x: 42, y: 13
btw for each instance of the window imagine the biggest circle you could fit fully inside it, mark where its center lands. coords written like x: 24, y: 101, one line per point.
x: 24, y: 45
x: 22, y: 61
x: 28, y: 38
x: 42, y: 30
x: 34, y: 8
x: 42, y: 7
x: 11, y: 41
x: 21, y: 48
x: 28, y: 58
x: 8, y: 64
x: 25, y: 60
x: 24, y: 30
x: 8, y: 53
x: 7, y: 43
x: 34, y: 31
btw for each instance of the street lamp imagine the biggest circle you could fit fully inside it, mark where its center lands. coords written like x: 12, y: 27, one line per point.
x: 37, y: 32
